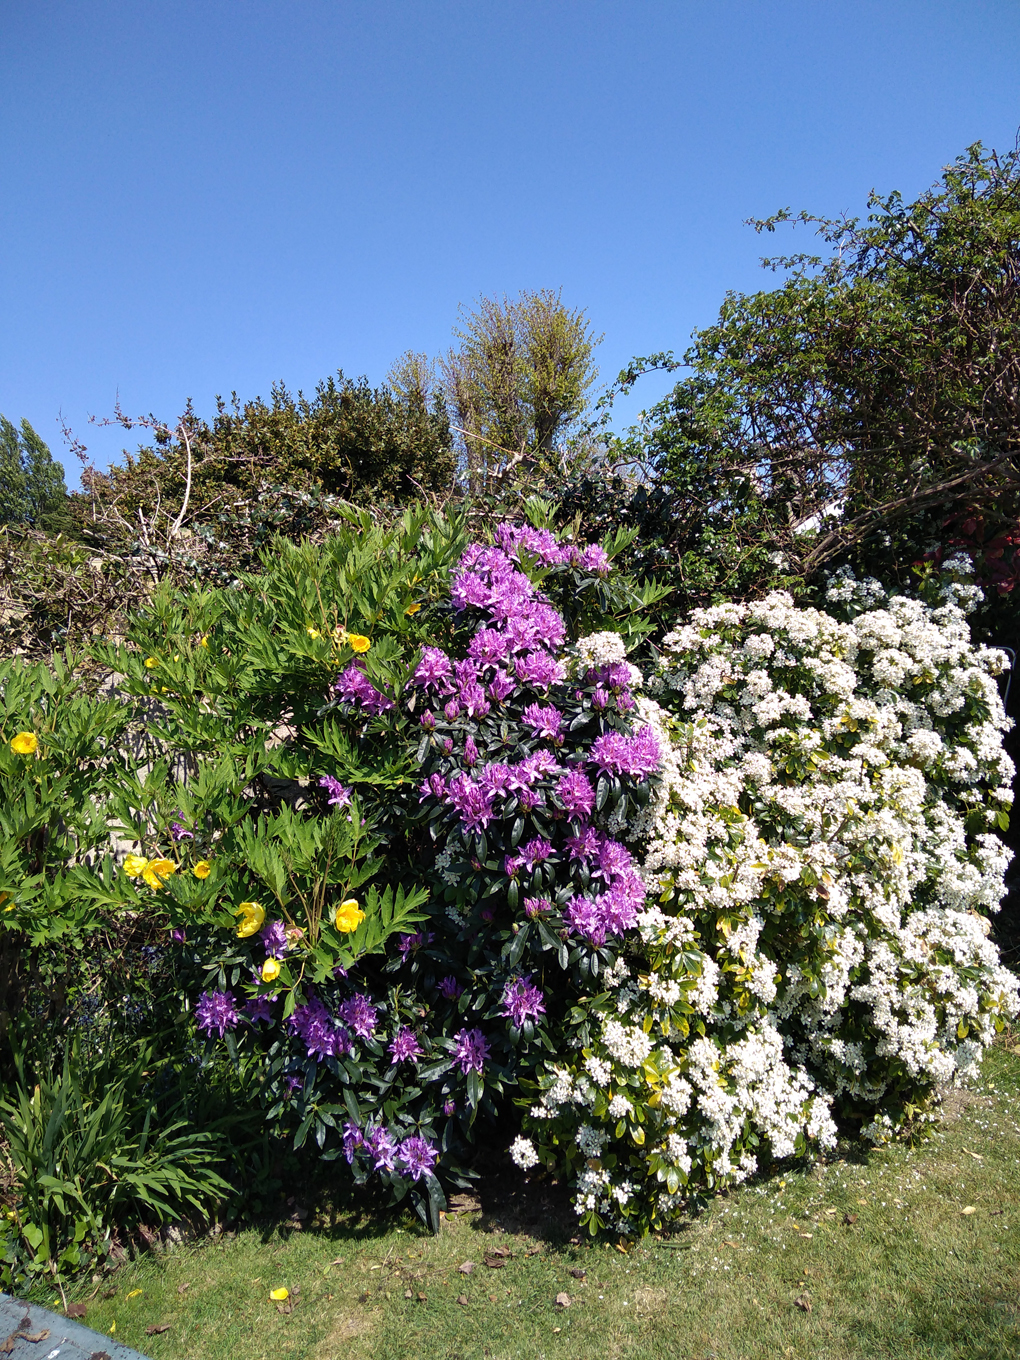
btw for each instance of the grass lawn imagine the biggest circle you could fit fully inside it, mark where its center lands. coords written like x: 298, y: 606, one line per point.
x: 907, y: 1253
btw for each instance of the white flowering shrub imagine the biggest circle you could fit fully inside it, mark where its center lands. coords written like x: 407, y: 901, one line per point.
x: 821, y: 858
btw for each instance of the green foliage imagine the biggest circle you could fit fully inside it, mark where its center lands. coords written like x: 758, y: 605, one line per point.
x: 846, y: 415
x: 91, y: 1154
x: 32, y: 489
x: 520, y: 376
x: 348, y: 440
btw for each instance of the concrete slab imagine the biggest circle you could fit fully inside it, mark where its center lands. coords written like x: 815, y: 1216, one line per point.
x: 31, y: 1333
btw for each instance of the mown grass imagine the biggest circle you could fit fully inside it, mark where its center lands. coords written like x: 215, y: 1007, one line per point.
x: 865, y: 1257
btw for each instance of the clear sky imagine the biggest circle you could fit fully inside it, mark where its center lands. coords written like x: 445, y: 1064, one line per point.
x: 199, y: 196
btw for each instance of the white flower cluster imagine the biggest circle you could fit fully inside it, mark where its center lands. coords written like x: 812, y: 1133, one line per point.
x: 821, y: 859
x: 601, y: 649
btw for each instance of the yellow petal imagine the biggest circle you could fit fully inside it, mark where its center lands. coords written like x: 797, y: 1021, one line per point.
x: 157, y: 871
x: 279, y: 1294
x: 151, y: 663
x: 349, y: 916
x: 252, y: 917
x: 270, y: 970
x: 25, y: 744
x: 202, y: 869
x: 133, y: 1294
x: 135, y: 865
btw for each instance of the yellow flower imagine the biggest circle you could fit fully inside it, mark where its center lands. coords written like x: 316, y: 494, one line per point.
x: 202, y: 869
x: 279, y: 1295
x: 358, y: 643
x: 25, y: 743
x: 203, y: 641
x: 151, y: 663
x: 270, y: 970
x: 313, y: 632
x: 252, y: 917
x: 135, y: 865
x: 157, y: 871
x: 5, y: 897
x: 412, y: 609
x: 349, y: 916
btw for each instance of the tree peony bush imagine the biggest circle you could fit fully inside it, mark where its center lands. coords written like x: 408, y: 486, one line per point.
x: 820, y: 855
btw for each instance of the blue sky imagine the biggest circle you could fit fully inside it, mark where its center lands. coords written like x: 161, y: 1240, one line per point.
x: 206, y: 196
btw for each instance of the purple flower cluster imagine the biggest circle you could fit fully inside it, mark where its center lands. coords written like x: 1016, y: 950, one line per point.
x: 541, y: 544
x: 471, y: 1049
x: 359, y: 1013
x: 178, y: 831
x: 414, y: 1157
x: 338, y: 795
x: 274, y: 936
x: 637, y: 756
x: 323, y: 1036
x: 405, y: 1046
x: 354, y: 687
x: 216, y: 1012
x: 576, y: 795
x: 522, y: 1000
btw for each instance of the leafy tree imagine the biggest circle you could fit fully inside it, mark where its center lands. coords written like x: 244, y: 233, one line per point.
x: 521, y: 375
x: 865, y: 407
x: 348, y: 440
x: 32, y: 489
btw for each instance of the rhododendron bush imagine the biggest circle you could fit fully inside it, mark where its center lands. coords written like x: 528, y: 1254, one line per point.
x: 820, y: 856
x: 432, y: 835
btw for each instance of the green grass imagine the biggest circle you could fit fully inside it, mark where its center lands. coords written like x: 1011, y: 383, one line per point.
x: 913, y: 1276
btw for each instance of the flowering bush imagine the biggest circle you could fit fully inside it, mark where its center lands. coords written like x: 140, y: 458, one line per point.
x: 821, y: 856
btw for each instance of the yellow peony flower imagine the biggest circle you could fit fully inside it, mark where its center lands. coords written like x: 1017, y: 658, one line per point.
x: 270, y: 970
x: 358, y: 643
x: 279, y: 1295
x: 412, y: 609
x: 135, y: 865
x: 157, y: 871
x: 202, y: 869
x: 151, y: 663
x: 25, y: 743
x: 349, y: 916
x: 252, y: 917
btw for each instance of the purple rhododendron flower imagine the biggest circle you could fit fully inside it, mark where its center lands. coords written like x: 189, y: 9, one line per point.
x: 323, y: 1036
x: 522, y: 1000
x: 488, y: 646
x: 583, y: 916
x: 382, y: 1146
x: 599, y: 698
x: 359, y: 1013
x: 418, y: 940
x: 450, y: 988
x: 259, y: 1008
x: 472, y: 801
x: 405, y: 1046
x: 417, y: 1156
x: 584, y: 845
x: 274, y: 938
x: 216, y: 1012
x: 539, y: 669
x: 353, y: 1140
x: 338, y: 795
x: 449, y: 1107
x: 178, y: 935
x: 354, y: 686
x: 472, y: 696
x: 612, y: 858
x: 536, y: 851
x: 576, y: 794
x: 544, y: 722
x: 594, y: 558
x: 178, y: 831
x: 428, y: 721
x: 501, y: 687
x: 433, y: 787
x: 434, y: 670
x: 470, y: 753
x: 496, y: 778
x: 535, y: 906
x: 471, y: 1051
x: 451, y: 710
x: 637, y: 756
